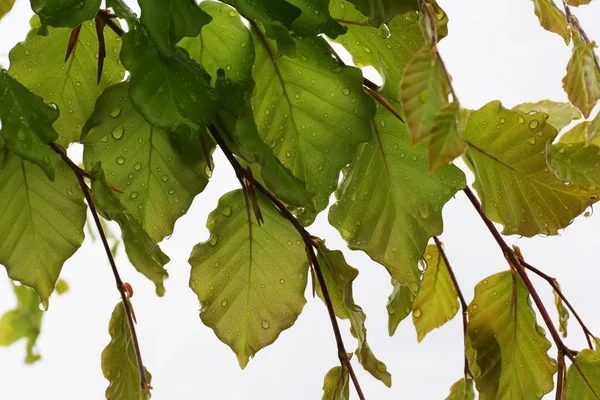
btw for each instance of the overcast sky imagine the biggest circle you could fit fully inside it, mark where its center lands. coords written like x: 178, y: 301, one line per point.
x: 494, y: 50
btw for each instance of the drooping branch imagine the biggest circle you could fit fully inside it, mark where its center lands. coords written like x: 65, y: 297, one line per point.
x: 245, y: 177
x: 123, y: 291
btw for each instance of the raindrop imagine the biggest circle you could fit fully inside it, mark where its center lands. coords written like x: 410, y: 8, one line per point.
x: 137, y: 166
x: 133, y: 195
x: 223, y: 303
x: 282, y: 281
x: 346, y: 91
x: 164, y: 178
x: 117, y: 133
x: 120, y: 160
x: 417, y: 313
x: 533, y: 124
x: 265, y: 324
x: 384, y: 31
x: 213, y: 240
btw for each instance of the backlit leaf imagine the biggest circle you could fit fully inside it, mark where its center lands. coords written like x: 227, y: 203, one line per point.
x: 559, y: 114
x: 577, y: 163
x: 336, y: 385
x: 65, y: 13
x: 462, y: 390
x: 552, y: 18
x: 563, y: 312
x: 582, y: 82
x: 399, y: 305
x: 584, y: 382
x: 445, y: 143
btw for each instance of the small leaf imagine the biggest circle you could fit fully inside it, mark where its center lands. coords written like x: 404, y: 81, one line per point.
x: 559, y: 114
x: 583, y: 381
x: 65, y: 13
x: 5, y: 7
x: 437, y: 301
x: 250, y: 279
x: 577, y: 3
x: 462, y: 390
x: 119, y: 364
x: 446, y: 144
x: 336, y: 385
x: 381, y: 11
x: 593, y: 132
x: 563, y: 312
x: 399, y: 305
x: 552, y: 18
x: 582, y: 82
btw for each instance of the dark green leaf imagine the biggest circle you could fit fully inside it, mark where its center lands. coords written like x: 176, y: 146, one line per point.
x: 65, y: 13
x: 381, y: 11
x: 315, y: 19
x: 122, y: 10
x: 399, y: 305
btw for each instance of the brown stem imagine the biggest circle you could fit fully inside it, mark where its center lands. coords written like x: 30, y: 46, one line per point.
x: 108, y: 19
x: 245, y: 175
x: 463, y: 303
x: 124, y: 298
x: 572, y: 19
x: 560, y: 376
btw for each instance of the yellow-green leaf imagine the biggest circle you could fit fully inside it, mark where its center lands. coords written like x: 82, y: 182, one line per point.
x: 336, y: 385
x: 582, y: 82
x: 552, y: 18
x: 399, y: 305
x: 559, y: 114
x: 462, y: 390
x: 563, y: 312
x: 583, y: 381
x: 445, y: 143
x: 593, y: 131
x: 577, y: 3
x: 5, y: 7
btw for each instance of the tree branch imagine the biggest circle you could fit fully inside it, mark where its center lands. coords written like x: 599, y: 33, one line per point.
x: 120, y: 286
x: 245, y: 175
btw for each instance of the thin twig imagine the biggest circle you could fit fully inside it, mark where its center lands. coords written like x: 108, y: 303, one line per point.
x: 120, y: 286
x: 560, y: 376
x: 109, y: 20
x: 245, y: 174
x: 463, y: 303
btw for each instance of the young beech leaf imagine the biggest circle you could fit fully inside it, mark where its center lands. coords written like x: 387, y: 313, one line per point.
x: 517, y: 188
x: 73, y: 86
x: 563, y: 312
x: 462, y: 390
x: 437, y: 301
x: 559, y: 114
x: 313, y: 120
x: 143, y: 252
x: 5, y: 7
x: 168, y: 21
x: 65, y: 13
x: 552, y: 18
x: 41, y: 222
x: 446, y: 144
x: 381, y: 11
x: 399, y: 305
x: 158, y: 182
x: 339, y: 277
x: 389, y: 204
x: 27, y: 124
x: 336, y: 385
x: 119, y: 364
x: 250, y: 279
x: 582, y: 82
x: 583, y: 381
x: 511, y: 350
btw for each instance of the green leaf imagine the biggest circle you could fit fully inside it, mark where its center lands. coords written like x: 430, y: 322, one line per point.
x: 552, y: 18
x: 172, y: 92
x: 437, y: 301
x: 336, y: 385
x: 393, y: 223
x: 250, y: 279
x: 315, y: 19
x: 27, y: 124
x: 583, y: 381
x: 122, y: 10
x: 593, y: 132
x: 225, y: 43
x: 577, y: 163
x: 563, y: 312
x: 143, y: 252
x: 65, y: 13
x: 399, y: 305
x: 517, y: 189
x: 423, y: 92
x: 582, y: 82
x: 462, y: 390
x: 339, y: 277
x: 512, y: 350
x: 24, y: 322
x: 577, y: 3
x: 73, y: 86
x: 446, y: 144
x: 159, y: 184
x: 381, y: 11
x: 168, y: 21
x: 5, y: 7
x: 42, y: 223
x: 119, y: 364
x: 559, y: 114
x: 311, y: 111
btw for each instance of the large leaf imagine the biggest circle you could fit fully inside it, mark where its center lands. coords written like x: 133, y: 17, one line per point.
x: 73, y: 86
x: 27, y: 124
x: 507, y: 156
x: 583, y: 381
x: 168, y: 21
x: 41, y: 223
x: 172, y: 92
x: 159, y: 183
x: 336, y: 385
x: 393, y: 223
x: 5, y: 7
x: 399, y: 305
x: 339, y: 277
x: 552, y: 18
x: 559, y: 114
x: 119, y: 364
x: 311, y: 111
x: 250, y: 279
x: 511, y: 349
x: 582, y: 82
x: 65, y: 13
x: 381, y: 11
x: 462, y: 390
x: 437, y: 301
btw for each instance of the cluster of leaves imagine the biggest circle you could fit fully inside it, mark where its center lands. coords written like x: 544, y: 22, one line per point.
x: 260, y: 79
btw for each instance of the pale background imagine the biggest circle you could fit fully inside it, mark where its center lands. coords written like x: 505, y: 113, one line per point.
x: 495, y: 50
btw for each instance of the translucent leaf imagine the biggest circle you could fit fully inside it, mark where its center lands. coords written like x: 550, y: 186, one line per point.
x: 5, y: 7
x: 311, y: 111
x: 462, y: 390
x: 27, y: 124
x: 584, y: 382
x: 552, y: 18
x: 511, y: 348
x: 381, y: 11
x: 250, y: 279
x: 423, y: 92
x: 143, y: 252
x: 399, y: 305
x: 171, y: 92
x: 517, y: 188
x: 225, y: 43
x: 119, y: 364
x: 336, y: 385
x: 339, y: 277
x: 393, y: 223
x: 65, y: 13
x: 158, y: 183
x: 437, y: 301
x: 446, y: 144
x: 582, y: 82
x: 559, y: 114
x: 73, y: 87
x: 41, y: 223
x: 563, y: 313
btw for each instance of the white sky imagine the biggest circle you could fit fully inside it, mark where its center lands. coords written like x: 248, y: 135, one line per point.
x: 495, y: 50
